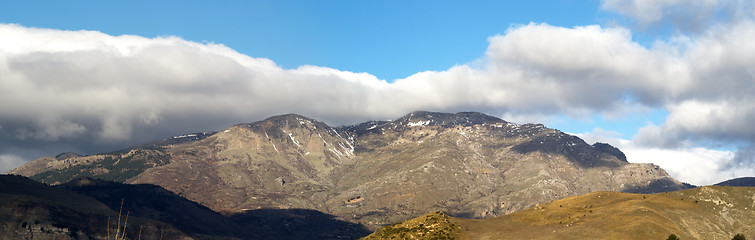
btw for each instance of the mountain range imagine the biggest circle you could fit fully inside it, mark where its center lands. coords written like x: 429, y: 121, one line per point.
x: 374, y: 173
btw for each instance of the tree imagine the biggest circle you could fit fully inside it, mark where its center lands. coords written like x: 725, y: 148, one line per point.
x: 672, y: 237
x: 739, y: 237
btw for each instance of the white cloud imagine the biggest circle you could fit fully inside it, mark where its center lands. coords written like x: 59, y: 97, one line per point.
x: 695, y: 165
x: 603, y: 136
x: 86, y: 88
x: 649, y: 11
x: 9, y: 162
x: 682, y: 15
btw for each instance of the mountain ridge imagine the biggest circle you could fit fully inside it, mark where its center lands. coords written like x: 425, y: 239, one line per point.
x: 375, y: 173
x: 738, y: 182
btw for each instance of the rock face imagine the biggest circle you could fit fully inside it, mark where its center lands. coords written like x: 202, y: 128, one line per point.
x: 376, y: 173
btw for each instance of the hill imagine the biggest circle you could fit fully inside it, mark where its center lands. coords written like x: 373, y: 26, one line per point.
x: 702, y: 213
x: 82, y: 208
x: 32, y: 210
x: 739, y: 182
x: 375, y: 173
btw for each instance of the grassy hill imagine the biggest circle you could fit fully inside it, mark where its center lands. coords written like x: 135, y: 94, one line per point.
x: 712, y: 212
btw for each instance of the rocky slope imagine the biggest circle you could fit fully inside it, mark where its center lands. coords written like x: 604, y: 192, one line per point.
x: 375, y: 173
x: 711, y: 212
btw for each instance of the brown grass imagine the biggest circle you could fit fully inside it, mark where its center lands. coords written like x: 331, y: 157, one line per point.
x: 701, y: 213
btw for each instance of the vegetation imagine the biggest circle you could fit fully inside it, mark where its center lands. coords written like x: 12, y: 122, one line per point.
x: 113, y: 167
x: 739, y: 237
x: 435, y: 225
x: 672, y: 237
x: 120, y: 233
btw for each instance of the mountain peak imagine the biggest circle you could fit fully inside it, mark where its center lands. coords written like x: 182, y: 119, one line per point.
x: 425, y: 118
x: 607, y: 148
x: 67, y: 155
x: 288, y: 117
x: 290, y: 120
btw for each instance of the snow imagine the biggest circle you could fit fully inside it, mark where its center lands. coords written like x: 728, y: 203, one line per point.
x: 336, y: 152
x: 348, y: 151
x: 302, y: 121
x: 227, y: 130
x: 373, y: 127
x: 347, y: 142
x: 420, y: 123
x: 290, y: 135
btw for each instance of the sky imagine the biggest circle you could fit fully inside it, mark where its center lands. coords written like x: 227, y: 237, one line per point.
x: 669, y: 82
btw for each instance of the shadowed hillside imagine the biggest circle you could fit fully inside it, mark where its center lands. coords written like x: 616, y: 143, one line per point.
x: 80, y: 210
x: 739, y: 182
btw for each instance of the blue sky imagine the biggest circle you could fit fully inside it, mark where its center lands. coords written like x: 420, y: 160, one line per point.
x: 669, y: 83
x: 389, y: 39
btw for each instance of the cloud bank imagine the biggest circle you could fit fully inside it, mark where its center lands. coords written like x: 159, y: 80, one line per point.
x: 90, y: 92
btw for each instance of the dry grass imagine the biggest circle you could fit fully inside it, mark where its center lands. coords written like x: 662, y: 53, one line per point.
x: 701, y: 213
x: 120, y: 233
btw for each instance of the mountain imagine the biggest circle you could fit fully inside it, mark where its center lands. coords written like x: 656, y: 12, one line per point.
x: 711, y: 212
x: 375, y: 173
x: 81, y: 209
x: 739, y: 182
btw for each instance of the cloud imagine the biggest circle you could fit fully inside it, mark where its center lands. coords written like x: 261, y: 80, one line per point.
x: 744, y: 158
x: 9, y: 161
x: 695, y: 165
x: 681, y: 15
x: 716, y: 101
x: 90, y: 92
x: 585, y: 68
